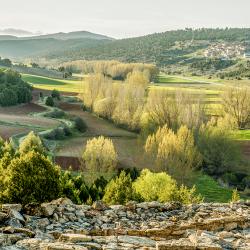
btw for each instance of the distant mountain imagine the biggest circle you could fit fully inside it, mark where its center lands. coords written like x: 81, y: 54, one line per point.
x: 74, y: 35
x: 15, y: 32
x: 7, y: 37
x: 24, y: 47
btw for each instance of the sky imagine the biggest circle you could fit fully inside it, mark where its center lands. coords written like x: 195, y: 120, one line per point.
x: 122, y: 18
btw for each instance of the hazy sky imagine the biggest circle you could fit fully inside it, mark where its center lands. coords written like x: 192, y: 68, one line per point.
x: 122, y: 18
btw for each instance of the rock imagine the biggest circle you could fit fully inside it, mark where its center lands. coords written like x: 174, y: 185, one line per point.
x: 181, y: 244
x: 48, y: 209
x: 15, y: 214
x: 3, y: 217
x: 62, y: 225
x: 75, y: 238
x: 29, y: 244
x: 99, y: 205
x: 12, y: 230
x: 62, y: 202
x: 137, y: 241
x: 61, y: 246
x: 16, y: 207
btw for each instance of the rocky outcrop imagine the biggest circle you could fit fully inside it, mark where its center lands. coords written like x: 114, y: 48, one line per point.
x: 61, y: 225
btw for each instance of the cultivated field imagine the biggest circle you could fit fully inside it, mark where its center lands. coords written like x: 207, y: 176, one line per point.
x: 47, y: 83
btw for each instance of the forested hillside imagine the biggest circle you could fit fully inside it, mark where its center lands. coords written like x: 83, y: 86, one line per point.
x: 160, y: 48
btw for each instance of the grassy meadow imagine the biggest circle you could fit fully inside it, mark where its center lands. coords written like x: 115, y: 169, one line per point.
x: 46, y: 83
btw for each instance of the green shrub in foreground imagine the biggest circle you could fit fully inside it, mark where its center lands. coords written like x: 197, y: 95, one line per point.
x: 162, y: 187
x: 119, y: 190
x: 30, y: 178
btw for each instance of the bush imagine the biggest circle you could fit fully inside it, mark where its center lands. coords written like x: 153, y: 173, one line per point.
x: 55, y: 94
x: 161, y: 187
x: 49, y: 101
x: 55, y: 113
x: 230, y: 178
x: 119, y: 190
x: 30, y: 178
x: 154, y: 186
x: 67, y: 131
x: 74, y: 187
x: 246, y: 181
x: 80, y: 125
x: 100, y: 155
x: 57, y: 133
x: 185, y: 195
x: 31, y: 142
x: 235, y: 196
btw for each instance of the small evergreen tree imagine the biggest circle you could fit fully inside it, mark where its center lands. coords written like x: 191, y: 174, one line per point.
x: 49, y: 101
x: 119, y: 190
x: 30, y: 178
x: 55, y: 94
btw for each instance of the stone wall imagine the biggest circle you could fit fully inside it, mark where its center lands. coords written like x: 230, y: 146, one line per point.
x: 61, y: 225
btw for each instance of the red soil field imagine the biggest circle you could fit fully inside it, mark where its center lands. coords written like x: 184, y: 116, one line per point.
x: 65, y: 162
x: 24, y: 109
x: 6, y: 131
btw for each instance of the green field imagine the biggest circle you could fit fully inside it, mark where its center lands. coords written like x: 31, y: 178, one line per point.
x: 243, y: 135
x: 74, y: 86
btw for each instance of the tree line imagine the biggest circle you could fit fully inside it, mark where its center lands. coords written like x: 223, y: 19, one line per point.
x: 28, y: 175
x: 113, y: 69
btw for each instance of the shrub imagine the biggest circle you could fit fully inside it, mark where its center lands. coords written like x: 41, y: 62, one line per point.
x: 55, y: 94
x: 59, y: 133
x: 161, y: 187
x: 67, y: 131
x: 74, y: 187
x: 31, y: 178
x: 235, y: 196
x: 119, y: 190
x: 246, y: 181
x: 185, y: 195
x: 100, y: 155
x: 56, y: 133
x: 31, y: 142
x: 154, y: 186
x: 55, y: 113
x: 231, y: 179
x: 49, y: 101
x: 80, y: 125
x: 133, y: 172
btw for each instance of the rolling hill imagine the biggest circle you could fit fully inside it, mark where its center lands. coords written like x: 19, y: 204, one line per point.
x: 24, y: 47
x: 161, y: 48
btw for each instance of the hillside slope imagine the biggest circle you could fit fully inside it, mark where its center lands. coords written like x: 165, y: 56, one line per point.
x: 160, y: 48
